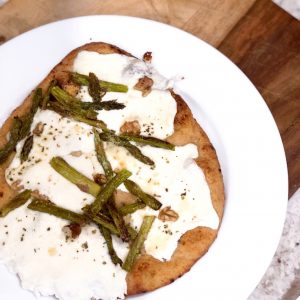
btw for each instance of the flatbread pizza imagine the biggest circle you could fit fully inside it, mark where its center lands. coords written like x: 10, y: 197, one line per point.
x: 104, y: 151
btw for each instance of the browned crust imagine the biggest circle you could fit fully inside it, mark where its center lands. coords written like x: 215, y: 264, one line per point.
x: 149, y: 273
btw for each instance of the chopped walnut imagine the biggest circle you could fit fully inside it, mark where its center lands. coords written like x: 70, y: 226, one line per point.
x: 167, y: 214
x: 76, y: 153
x: 72, y: 231
x: 39, y: 128
x: 147, y: 57
x: 144, y: 85
x: 132, y: 127
x: 71, y: 88
x: 100, y: 178
x: 16, y: 185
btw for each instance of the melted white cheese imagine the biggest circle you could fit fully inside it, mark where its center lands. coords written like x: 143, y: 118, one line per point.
x: 118, y: 68
x: 60, y: 137
x: 155, y: 112
x: 175, y: 180
x: 34, y: 246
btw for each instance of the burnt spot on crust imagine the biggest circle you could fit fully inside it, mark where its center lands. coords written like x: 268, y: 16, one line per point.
x: 1, y: 194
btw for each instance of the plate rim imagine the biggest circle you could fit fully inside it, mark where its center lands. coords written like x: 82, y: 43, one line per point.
x: 266, y: 109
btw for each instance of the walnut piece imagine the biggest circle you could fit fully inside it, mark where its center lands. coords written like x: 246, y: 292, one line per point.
x: 39, y: 128
x: 71, y: 231
x: 167, y: 214
x: 147, y: 57
x: 144, y: 85
x: 71, y: 88
x: 132, y: 127
x: 100, y: 178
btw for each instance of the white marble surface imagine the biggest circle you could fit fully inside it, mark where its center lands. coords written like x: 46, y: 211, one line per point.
x: 282, y: 279
x: 290, y: 6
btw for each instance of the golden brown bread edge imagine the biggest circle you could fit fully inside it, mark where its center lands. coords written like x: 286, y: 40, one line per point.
x: 148, y: 273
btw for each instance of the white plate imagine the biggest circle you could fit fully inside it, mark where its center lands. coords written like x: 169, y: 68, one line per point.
x: 225, y: 103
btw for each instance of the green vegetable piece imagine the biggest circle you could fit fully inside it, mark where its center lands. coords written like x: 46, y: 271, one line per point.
x: 52, y: 209
x: 102, y: 220
x: 132, y: 232
x: 47, y: 94
x: 118, y: 221
x: 149, y: 200
x: 112, y: 253
x: 16, y: 202
x: 101, y: 156
x: 95, y: 91
x: 27, y: 119
x: 138, y: 242
x: 21, y: 127
x: 108, y: 190
x: 105, y: 105
x: 113, y: 87
x: 65, y: 112
x: 13, y: 140
x: 72, y: 104
x: 81, y: 79
x: 146, y: 140
x: 133, y: 150
x: 82, y: 182
x: 131, y: 208
x: 26, y: 148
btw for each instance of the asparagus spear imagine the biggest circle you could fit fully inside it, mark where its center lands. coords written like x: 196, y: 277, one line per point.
x: 26, y: 148
x: 138, y: 242
x: 21, y: 127
x: 113, y: 255
x: 47, y: 94
x: 131, y: 208
x: 52, y: 209
x: 133, y: 150
x: 94, y: 88
x: 154, y: 142
x: 16, y: 202
x: 108, y: 190
x: 102, y: 220
x: 27, y: 119
x: 132, y: 232
x: 106, y: 105
x: 101, y: 156
x: 149, y: 200
x: 108, y: 86
x: 13, y: 140
x: 82, y: 182
x: 65, y: 112
x: 83, y: 107
x: 119, y: 222
x: 72, y: 104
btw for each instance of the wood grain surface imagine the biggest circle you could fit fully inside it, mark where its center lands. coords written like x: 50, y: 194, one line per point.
x: 262, y: 39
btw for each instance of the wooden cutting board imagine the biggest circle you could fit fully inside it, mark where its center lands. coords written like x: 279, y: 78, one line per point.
x: 262, y: 39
